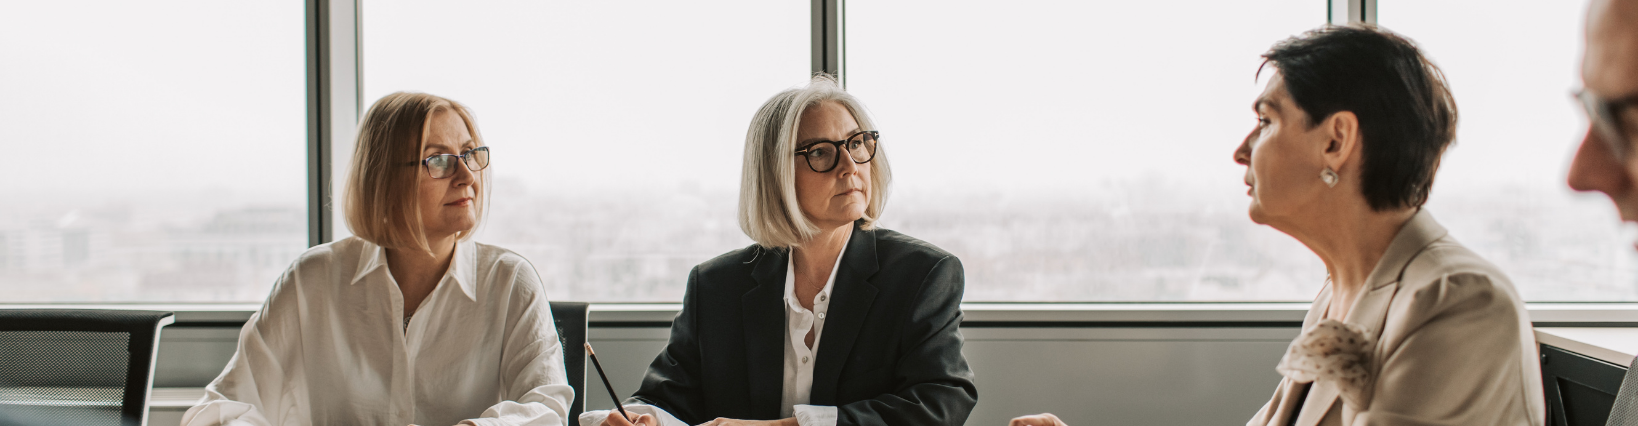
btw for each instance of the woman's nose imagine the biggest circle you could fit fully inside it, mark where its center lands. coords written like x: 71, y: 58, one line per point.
x: 845, y: 165
x: 1242, y: 154
x: 463, y: 174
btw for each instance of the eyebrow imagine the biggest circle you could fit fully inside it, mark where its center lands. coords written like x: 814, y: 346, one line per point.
x: 1272, y: 104
x: 469, y: 144
x: 810, y: 141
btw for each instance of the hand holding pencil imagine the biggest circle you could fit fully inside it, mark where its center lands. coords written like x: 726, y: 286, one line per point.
x: 624, y: 419
x: 636, y: 420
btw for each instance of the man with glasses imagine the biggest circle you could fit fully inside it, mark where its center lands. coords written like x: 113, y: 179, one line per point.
x: 1609, y: 71
x: 1605, y: 160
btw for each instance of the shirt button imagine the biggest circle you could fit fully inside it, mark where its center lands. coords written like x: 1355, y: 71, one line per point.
x: 821, y: 298
x: 804, y: 360
x: 821, y: 315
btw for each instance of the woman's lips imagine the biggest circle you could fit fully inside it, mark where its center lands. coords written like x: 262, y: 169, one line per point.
x: 463, y: 202
x: 850, y: 191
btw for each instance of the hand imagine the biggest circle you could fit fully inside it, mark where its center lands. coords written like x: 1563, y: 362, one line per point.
x: 634, y: 420
x: 731, y: 422
x: 1043, y: 419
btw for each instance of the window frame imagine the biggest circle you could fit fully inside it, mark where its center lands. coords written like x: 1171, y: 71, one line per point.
x: 334, y: 101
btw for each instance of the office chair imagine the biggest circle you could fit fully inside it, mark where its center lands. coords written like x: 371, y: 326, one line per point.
x: 1580, y: 390
x: 571, y: 330
x: 79, y: 367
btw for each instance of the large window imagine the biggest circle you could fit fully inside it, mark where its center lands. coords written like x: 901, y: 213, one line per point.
x: 1080, y: 151
x: 1066, y: 151
x: 1511, y: 65
x: 616, y: 127
x: 157, y: 149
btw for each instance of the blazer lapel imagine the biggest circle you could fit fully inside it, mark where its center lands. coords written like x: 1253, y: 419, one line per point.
x: 763, y: 312
x: 1294, y: 398
x: 1370, y: 311
x: 850, y: 303
x: 1322, y: 394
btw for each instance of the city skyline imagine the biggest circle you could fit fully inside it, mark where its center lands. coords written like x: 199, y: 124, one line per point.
x: 1130, y: 242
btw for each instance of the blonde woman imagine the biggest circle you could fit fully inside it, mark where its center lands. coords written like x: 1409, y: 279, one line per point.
x: 408, y: 321
x: 827, y: 319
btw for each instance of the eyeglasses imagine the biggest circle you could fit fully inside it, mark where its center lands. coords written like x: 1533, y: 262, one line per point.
x: 443, y: 165
x: 1615, y: 120
x: 822, y: 156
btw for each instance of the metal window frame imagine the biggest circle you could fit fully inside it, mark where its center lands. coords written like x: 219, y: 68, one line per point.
x: 333, y: 108
x: 829, y: 44
x: 335, y: 102
x: 1344, y: 12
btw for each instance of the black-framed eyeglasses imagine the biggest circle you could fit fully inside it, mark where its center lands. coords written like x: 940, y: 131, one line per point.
x: 1615, y: 120
x: 822, y: 155
x: 442, y: 166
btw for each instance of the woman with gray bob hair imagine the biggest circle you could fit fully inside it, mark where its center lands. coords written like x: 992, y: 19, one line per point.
x: 776, y: 333
x: 767, y: 189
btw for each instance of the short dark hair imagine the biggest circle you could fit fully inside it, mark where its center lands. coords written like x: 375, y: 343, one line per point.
x: 1407, y: 116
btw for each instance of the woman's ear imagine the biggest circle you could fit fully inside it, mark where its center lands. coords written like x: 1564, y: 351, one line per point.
x: 1341, y: 131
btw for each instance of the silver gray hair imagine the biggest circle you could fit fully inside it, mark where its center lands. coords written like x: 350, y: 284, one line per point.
x: 768, y: 209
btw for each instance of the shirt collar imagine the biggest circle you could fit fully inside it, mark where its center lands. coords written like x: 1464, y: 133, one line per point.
x: 790, y: 276
x: 463, y: 269
x: 372, y: 257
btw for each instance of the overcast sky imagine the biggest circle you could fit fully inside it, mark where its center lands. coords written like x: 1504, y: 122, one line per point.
x: 590, y: 95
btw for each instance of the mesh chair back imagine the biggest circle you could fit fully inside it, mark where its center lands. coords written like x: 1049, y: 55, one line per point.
x: 571, y: 328
x: 77, y: 366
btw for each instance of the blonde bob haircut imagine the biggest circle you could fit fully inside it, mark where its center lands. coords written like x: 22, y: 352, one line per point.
x: 768, y: 209
x: 382, y: 197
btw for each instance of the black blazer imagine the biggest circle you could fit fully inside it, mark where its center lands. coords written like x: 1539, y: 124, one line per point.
x: 890, y: 353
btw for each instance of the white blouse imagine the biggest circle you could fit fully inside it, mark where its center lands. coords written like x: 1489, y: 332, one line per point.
x: 329, y: 347
x: 799, y: 358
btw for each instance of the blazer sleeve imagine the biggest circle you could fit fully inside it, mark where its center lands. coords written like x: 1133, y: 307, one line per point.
x: 936, y: 385
x: 673, y: 383
x: 1458, y: 361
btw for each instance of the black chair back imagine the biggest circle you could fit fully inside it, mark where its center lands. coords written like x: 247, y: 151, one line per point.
x: 78, y: 367
x: 571, y: 329
x: 1580, y: 390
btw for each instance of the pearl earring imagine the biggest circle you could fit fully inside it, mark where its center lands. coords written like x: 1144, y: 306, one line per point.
x: 1329, y: 177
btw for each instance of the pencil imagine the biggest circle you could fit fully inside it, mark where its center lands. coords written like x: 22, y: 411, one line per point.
x: 605, y: 377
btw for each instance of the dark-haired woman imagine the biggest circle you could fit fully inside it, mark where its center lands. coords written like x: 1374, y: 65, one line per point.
x: 1411, y: 328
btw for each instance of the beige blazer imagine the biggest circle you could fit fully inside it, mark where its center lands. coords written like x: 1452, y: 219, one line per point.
x: 1453, y: 344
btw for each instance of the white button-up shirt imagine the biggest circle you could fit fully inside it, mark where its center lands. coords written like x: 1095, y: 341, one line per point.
x: 799, y: 358
x: 329, y: 347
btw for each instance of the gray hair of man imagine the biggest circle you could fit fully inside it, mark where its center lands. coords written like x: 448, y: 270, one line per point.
x: 768, y: 209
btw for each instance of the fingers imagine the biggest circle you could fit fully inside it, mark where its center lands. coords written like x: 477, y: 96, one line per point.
x: 647, y: 420
x: 1043, y: 419
x: 614, y: 419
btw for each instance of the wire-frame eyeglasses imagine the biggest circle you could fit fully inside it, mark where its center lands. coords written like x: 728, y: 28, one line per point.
x: 442, y: 166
